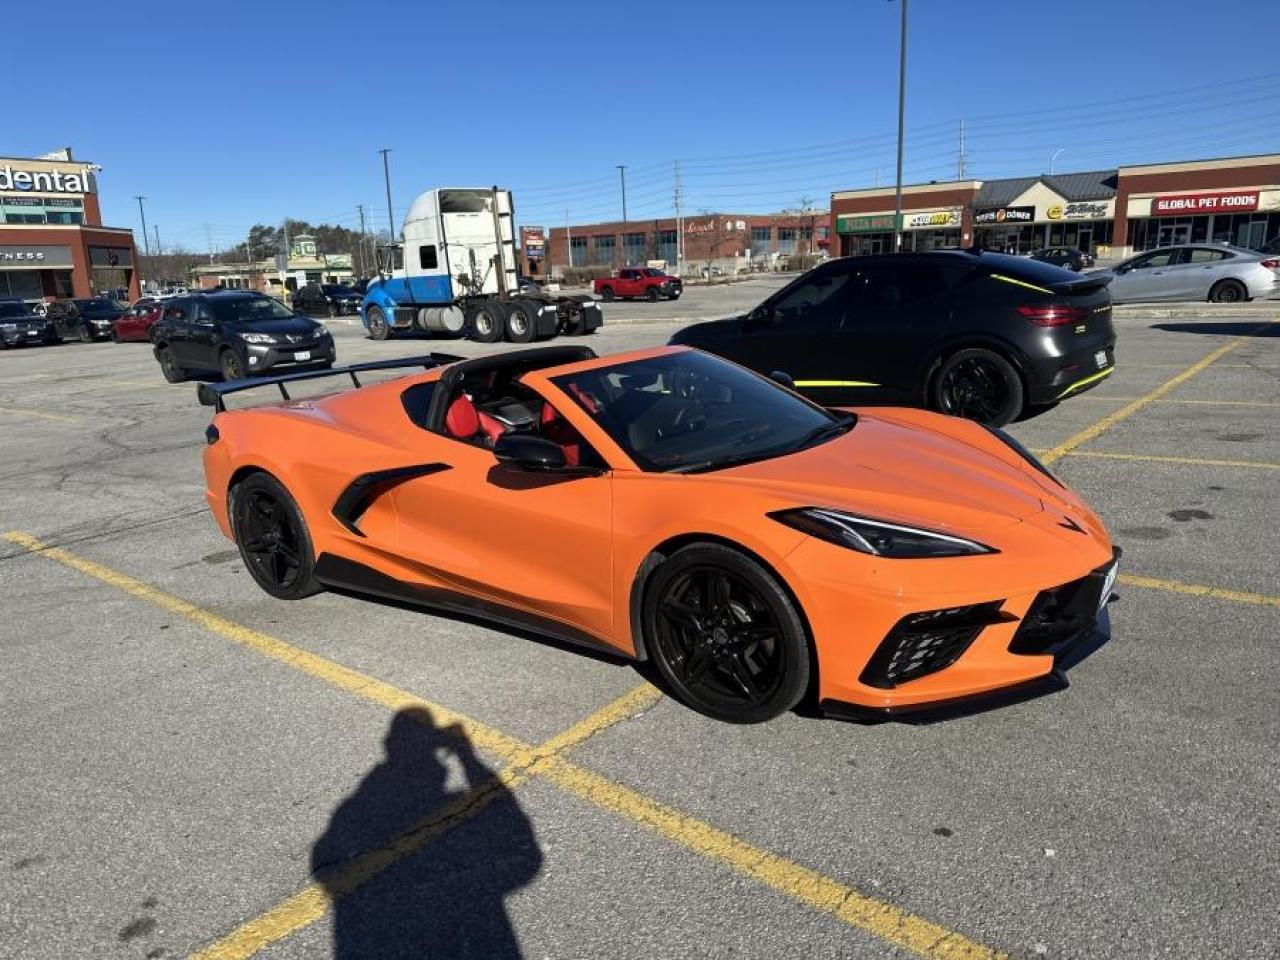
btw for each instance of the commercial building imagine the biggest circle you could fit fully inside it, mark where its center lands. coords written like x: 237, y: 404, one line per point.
x: 730, y: 241
x: 305, y: 265
x: 1110, y: 213
x: 52, y: 241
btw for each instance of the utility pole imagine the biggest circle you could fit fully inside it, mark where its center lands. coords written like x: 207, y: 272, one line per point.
x: 679, y: 204
x: 386, y: 176
x: 568, y: 241
x: 960, y: 159
x: 902, y: 113
x: 622, y: 173
x: 156, y: 228
x: 208, y: 241
x: 360, y: 247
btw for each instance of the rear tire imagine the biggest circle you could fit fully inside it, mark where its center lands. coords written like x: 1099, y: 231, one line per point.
x: 977, y: 384
x: 1228, y: 291
x: 725, y: 636
x: 522, y: 322
x: 606, y: 294
x: 488, y: 322
x: 169, y: 365
x: 376, y: 321
x: 272, y: 537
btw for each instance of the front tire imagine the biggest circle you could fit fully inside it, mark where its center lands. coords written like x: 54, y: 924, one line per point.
x: 1228, y: 291
x: 86, y: 335
x: 487, y: 323
x: 978, y: 384
x: 272, y: 537
x: 376, y: 321
x: 230, y: 365
x: 724, y: 635
x: 652, y: 294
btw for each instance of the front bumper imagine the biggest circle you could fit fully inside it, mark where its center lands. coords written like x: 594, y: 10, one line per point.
x: 13, y: 336
x: 260, y: 357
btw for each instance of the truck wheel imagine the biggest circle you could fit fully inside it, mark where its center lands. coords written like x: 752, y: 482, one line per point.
x: 487, y: 322
x: 521, y: 322
x: 652, y: 294
x: 606, y: 294
x: 376, y: 320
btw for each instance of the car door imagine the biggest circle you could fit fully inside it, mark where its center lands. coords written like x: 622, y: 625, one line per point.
x: 177, y: 330
x: 538, y: 542
x: 797, y: 332
x: 1203, y: 267
x: 902, y: 306
x: 627, y: 284
x: 1143, y: 277
x: 205, y: 337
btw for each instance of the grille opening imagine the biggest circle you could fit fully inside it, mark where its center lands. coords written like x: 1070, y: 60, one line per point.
x: 923, y: 643
x: 1058, y: 614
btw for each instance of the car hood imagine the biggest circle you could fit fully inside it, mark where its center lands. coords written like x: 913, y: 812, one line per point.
x: 293, y: 325
x: 901, y: 472
x: 707, y: 331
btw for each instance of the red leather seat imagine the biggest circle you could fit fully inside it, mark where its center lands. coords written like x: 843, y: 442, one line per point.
x: 463, y: 421
x: 562, y: 433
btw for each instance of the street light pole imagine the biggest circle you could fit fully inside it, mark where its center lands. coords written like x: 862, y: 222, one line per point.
x: 622, y: 172
x: 1054, y: 156
x: 902, y: 113
x: 386, y: 176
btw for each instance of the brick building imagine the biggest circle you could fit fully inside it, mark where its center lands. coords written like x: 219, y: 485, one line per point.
x: 52, y: 241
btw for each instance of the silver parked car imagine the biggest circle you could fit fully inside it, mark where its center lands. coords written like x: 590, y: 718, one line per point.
x: 1210, y: 271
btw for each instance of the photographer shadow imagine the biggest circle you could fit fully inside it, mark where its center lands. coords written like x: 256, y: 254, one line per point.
x: 416, y: 869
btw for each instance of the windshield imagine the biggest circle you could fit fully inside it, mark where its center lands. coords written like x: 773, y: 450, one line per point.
x: 248, y: 310
x: 336, y: 290
x: 12, y: 309
x: 651, y: 272
x: 688, y: 411
x: 466, y: 201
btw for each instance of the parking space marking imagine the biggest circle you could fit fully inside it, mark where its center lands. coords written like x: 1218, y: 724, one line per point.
x: 1111, y: 419
x: 877, y: 917
x: 1198, y: 590
x: 1206, y: 403
x: 38, y: 414
x: 1191, y: 461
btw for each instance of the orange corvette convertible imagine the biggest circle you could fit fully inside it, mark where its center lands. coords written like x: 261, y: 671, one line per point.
x: 671, y: 506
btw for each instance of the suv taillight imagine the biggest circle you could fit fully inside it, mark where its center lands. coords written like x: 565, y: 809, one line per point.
x: 1272, y: 264
x: 1053, y: 315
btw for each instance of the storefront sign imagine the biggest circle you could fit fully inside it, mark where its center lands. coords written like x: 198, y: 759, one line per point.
x: 34, y: 257
x: 48, y: 181
x: 1189, y: 204
x: 1005, y: 215
x: 935, y: 220
x: 110, y: 257
x: 873, y: 223
x: 1082, y: 210
x: 532, y: 241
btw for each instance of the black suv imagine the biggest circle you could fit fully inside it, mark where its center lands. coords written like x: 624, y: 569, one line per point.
x: 326, y: 300
x: 86, y: 318
x: 237, y: 333
x: 1068, y: 257
x: 974, y: 334
x: 18, y: 325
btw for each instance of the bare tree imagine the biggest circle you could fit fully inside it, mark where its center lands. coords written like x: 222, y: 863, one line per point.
x: 720, y: 238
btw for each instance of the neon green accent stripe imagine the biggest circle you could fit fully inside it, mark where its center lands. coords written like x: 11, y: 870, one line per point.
x: 1094, y: 378
x: 835, y: 383
x: 1020, y: 283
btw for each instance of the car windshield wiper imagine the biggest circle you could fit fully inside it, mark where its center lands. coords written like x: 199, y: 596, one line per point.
x: 825, y: 432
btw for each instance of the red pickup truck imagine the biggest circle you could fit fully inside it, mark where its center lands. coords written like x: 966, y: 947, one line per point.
x: 639, y: 282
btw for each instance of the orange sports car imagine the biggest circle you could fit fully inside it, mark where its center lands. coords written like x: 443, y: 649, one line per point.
x: 671, y: 506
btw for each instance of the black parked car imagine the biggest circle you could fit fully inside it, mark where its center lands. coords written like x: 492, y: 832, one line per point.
x: 975, y: 334
x: 1068, y: 257
x: 237, y: 333
x: 85, y: 318
x: 19, y: 325
x: 326, y: 300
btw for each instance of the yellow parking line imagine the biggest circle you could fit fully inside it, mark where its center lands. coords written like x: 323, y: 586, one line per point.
x: 1198, y: 590
x: 1190, y: 461
x: 1111, y: 419
x: 1207, y: 403
x: 39, y: 414
x: 877, y: 917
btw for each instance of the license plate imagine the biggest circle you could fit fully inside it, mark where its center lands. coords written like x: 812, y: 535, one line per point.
x: 1100, y: 358
x: 33, y: 333
x: 302, y: 355
x: 1107, y: 585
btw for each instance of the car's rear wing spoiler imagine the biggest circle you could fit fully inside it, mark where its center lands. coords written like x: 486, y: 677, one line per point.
x: 1084, y: 282
x: 213, y: 394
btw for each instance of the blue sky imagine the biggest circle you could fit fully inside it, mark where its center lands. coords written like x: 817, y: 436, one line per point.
x: 257, y: 111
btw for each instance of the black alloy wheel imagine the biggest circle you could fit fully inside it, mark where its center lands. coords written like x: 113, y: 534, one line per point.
x: 379, y: 329
x: 725, y: 636
x: 86, y: 334
x: 229, y: 363
x: 169, y: 365
x: 272, y: 537
x: 979, y: 385
x: 1228, y: 291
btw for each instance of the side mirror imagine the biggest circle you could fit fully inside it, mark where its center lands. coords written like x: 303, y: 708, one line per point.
x: 526, y: 452
x: 761, y: 316
x: 783, y: 378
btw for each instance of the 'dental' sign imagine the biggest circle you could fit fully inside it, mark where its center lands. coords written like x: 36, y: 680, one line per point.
x: 44, y: 181
x: 1194, y: 203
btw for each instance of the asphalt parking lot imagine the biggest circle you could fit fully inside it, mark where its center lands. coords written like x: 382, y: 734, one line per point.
x: 192, y: 767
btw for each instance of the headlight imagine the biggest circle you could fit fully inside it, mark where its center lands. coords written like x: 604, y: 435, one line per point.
x: 879, y: 538
x: 322, y: 330
x: 1021, y: 451
x: 250, y: 337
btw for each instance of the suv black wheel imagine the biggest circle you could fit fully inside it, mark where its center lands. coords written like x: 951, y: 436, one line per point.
x: 606, y: 294
x: 86, y: 334
x: 379, y: 329
x: 230, y: 365
x: 169, y: 364
x: 272, y: 537
x: 978, y: 384
x: 724, y: 635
